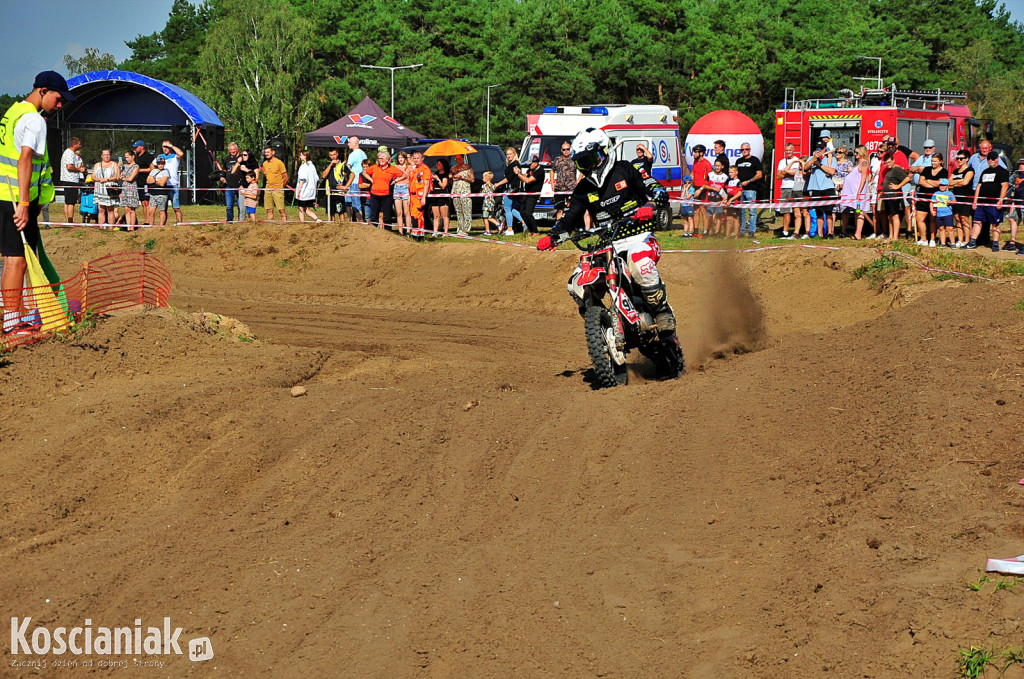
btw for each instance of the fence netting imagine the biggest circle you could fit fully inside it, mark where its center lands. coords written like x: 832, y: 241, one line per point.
x: 118, y: 281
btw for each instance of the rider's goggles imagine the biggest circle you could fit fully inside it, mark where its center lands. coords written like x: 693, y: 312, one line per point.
x: 589, y: 160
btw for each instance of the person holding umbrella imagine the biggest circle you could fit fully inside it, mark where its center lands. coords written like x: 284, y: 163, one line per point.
x: 26, y: 184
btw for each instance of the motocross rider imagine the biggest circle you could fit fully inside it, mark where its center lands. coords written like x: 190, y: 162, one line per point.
x: 616, y: 191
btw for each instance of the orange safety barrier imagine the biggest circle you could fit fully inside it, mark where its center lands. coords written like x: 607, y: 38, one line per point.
x: 118, y: 281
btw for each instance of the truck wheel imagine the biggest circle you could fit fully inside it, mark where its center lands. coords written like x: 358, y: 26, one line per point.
x: 664, y: 218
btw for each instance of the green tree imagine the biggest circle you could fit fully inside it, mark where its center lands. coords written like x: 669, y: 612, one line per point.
x: 90, y: 61
x: 261, y: 76
x: 170, y: 54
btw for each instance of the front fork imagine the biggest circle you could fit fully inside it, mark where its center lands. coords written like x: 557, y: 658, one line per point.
x: 612, y: 278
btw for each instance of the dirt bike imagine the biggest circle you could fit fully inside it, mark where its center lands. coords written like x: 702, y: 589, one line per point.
x: 615, y: 315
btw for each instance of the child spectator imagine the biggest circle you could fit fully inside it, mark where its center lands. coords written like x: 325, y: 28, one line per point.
x: 942, y: 213
x: 714, y: 192
x: 687, y: 211
x: 489, y: 212
x: 251, y: 194
x: 365, y: 182
x: 733, y: 191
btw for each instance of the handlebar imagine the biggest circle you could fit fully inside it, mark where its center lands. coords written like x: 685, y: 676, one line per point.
x: 577, y: 236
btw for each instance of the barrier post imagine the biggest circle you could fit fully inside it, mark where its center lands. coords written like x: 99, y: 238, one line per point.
x: 85, y: 287
x: 142, y: 280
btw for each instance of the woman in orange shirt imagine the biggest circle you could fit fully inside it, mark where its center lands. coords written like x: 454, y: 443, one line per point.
x: 382, y: 176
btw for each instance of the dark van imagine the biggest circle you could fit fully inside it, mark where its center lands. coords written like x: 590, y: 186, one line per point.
x: 488, y: 158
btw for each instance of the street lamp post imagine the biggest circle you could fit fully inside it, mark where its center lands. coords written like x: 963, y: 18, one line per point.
x: 489, y: 87
x: 392, y: 69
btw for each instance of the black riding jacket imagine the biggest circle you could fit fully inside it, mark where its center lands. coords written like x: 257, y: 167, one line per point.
x: 626, y: 189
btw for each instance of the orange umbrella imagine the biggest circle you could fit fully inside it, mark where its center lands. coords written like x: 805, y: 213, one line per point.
x: 449, y: 147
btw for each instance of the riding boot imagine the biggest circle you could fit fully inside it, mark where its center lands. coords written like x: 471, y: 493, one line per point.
x: 657, y: 302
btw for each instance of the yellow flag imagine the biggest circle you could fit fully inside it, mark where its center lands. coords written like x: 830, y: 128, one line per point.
x: 50, y: 311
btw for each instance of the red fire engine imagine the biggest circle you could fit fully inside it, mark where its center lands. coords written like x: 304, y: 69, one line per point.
x: 873, y: 114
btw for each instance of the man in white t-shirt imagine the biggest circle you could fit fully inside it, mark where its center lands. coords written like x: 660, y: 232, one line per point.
x: 25, y: 185
x: 172, y: 154
x: 786, y: 170
x: 72, y: 173
x: 356, y: 156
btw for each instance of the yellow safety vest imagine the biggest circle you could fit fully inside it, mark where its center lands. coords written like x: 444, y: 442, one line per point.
x: 42, y: 176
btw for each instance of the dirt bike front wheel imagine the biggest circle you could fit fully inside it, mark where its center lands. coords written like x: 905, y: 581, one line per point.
x: 600, y: 330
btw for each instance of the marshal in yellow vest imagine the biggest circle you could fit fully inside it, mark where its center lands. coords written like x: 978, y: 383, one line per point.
x: 42, y: 179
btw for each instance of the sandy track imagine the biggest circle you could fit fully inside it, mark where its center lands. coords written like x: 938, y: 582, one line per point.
x: 451, y: 498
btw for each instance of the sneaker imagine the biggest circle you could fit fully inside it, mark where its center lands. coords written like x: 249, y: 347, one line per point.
x: 995, y: 247
x: 959, y: 245
x: 922, y: 243
x: 804, y: 237
x: 785, y: 234
x: 1010, y: 247
x: 20, y: 329
x: 931, y: 243
x: 1020, y: 251
x: 787, y: 237
x: 971, y: 246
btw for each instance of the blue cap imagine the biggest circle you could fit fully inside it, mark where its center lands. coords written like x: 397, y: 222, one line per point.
x: 943, y: 182
x: 687, y: 178
x: 138, y: 144
x: 52, y: 80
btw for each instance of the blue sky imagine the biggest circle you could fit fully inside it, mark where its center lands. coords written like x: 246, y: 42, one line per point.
x: 38, y: 33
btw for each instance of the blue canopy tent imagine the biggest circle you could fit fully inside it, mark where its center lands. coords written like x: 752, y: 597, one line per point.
x: 143, y: 107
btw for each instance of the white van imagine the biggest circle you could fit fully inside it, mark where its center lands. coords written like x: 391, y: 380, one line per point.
x: 656, y: 127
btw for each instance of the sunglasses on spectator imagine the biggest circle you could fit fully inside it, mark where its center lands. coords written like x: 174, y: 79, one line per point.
x: 565, y: 148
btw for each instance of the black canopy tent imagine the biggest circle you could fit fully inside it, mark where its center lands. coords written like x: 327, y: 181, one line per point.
x: 133, y: 106
x: 369, y: 123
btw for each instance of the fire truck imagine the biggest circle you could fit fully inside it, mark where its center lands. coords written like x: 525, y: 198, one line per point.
x: 873, y: 114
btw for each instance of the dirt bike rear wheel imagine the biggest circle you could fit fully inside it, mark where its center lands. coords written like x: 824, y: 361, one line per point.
x: 599, y: 326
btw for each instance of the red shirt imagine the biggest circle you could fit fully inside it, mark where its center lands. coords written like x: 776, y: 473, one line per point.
x: 701, y: 169
x: 900, y: 158
x: 382, y: 178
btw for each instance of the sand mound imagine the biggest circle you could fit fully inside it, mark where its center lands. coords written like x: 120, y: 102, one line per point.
x: 450, y: 498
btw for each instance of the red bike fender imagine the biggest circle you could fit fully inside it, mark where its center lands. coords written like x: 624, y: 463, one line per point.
x: 588, y: 277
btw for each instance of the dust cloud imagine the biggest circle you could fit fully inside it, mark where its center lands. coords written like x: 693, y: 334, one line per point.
x: 730, y: 318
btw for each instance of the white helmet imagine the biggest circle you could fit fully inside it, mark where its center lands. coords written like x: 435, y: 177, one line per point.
x: 590, y: 152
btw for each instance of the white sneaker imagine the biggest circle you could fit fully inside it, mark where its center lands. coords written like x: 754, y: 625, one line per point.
x: 785, y: 234
x: 873, y: 236
x: 959, y: 245
x: 804, y: 237
x: 922, y: 242
x: 931, y: 243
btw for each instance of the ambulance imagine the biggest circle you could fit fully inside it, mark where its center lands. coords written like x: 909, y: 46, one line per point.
x: 873, y: 114
x: 656, y: 127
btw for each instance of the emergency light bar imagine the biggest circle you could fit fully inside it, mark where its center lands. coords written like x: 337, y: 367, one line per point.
x: 592, y: 110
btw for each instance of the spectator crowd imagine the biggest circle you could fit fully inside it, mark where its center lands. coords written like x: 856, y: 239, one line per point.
x: 940, y: 202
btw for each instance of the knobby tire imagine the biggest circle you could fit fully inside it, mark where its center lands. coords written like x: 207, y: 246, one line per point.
x: 609, y: 374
